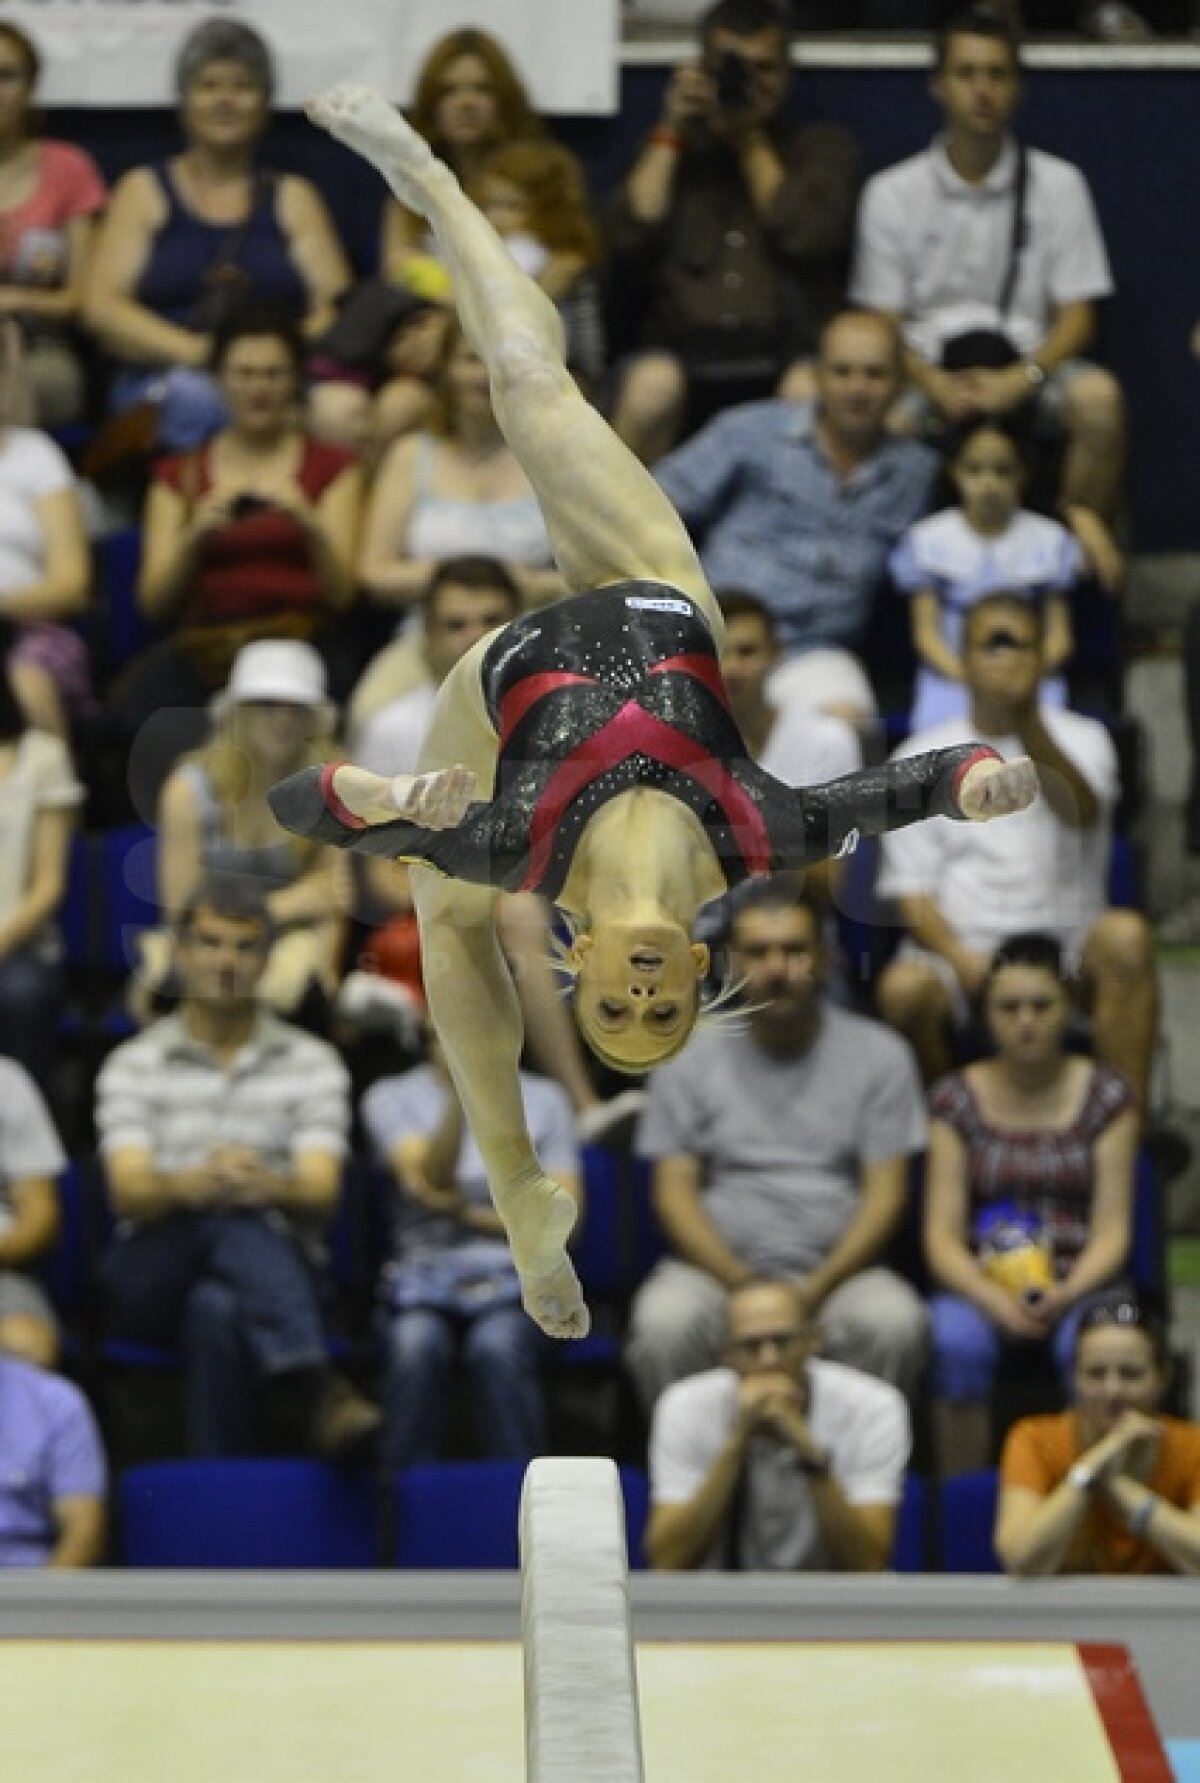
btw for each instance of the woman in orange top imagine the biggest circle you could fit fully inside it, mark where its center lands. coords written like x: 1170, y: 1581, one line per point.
x: 1111, y: 1486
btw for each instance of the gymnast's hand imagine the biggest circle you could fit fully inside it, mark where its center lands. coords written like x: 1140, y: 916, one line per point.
x: 437, y: 800
x: 995, y: 788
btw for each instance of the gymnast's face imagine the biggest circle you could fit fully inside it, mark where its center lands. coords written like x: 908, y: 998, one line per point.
x: 637, y: 990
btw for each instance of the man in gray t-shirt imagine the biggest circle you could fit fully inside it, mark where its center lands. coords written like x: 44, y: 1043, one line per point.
x: 781, y: 1148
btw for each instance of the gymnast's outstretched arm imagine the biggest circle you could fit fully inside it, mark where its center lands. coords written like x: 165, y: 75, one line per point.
x: 815, y: 823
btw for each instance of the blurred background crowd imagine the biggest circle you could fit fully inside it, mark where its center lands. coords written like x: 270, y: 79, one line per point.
x: 899, y: 1259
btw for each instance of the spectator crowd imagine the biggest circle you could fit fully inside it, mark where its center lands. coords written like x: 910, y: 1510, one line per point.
x: 898, y: 1210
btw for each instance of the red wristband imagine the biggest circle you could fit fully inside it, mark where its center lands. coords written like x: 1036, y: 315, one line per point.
x: 333, y: 804
x: 665, y: 138
x: 983, y: 753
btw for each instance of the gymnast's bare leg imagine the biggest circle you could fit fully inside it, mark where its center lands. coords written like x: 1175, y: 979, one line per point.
x: 608, y: 521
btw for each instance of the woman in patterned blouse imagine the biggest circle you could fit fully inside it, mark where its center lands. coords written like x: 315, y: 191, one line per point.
x: 1043, y: 1140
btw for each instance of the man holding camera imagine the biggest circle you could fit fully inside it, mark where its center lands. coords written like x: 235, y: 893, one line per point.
x: 990, y: 257
x: 1048, y: 872
x: 730, y: 233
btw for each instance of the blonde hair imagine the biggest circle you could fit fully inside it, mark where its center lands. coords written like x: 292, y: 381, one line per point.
x: 225, y: 761
x: 551, y: 181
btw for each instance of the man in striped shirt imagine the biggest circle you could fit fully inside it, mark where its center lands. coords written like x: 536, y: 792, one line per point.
x: 223, y: 1130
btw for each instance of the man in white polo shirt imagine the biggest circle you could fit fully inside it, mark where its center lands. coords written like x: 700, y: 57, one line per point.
x: 776, y: 1461
x: 960, y: 898
x: 980, y: 235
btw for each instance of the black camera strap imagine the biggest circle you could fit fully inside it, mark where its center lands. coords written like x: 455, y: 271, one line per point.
x: 1017, y: 232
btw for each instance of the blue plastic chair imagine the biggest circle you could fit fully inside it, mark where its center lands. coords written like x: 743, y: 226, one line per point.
x: 966, y: 1519
x: 617, y: 1245
x: 126, y: 630
x: 128, y: 892
x: 246, y: 1514
x: 66, y: 1269
x: 910, y: 1543
x: 463, y: 1515
x: 1148, y: 1251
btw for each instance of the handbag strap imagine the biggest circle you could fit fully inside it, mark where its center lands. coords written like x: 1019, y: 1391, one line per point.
x: 1017, y: 232
x: 224, y: 262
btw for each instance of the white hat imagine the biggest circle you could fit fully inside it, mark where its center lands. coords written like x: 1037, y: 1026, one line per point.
x: 277, y: 669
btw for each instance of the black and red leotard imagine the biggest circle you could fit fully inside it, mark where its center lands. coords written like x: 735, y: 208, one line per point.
x: 604, y: 692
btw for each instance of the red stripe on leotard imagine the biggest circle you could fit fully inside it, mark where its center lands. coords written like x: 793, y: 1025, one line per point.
x: 702, y: 668
x: 633, y: 731
x: 528, y: 692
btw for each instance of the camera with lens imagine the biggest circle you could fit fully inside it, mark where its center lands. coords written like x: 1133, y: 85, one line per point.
x: 732, y: 81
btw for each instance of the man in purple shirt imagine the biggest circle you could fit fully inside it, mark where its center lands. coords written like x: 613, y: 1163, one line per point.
x: 52, y: 1472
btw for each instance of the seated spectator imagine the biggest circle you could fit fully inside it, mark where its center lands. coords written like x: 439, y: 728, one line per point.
x: 1028, y: 1194
x: 272, y: 720
x: 223, y: 1133
x: 452, y: 492
x: 730, y: 233
x: 467, y: 597
x: 464, y: 598
x: 989, y: 255
x: 374, y: 372
x: 799, y: 503
x: 799, y: 746
x: 53, y: 1481
x: 1048, y: 871
x: 39, y: 796
x: 31, y: 1157
x: 50, y: 193
x: 449, y: 1289
x: 989, y: 542
x: 45, y: 566
x: 249, y: 537
x: 534, y: 196
x: 468, y: 101
x: 777, y: 1461
x: 783, y: 1147
x: 188, y: 239
x: 1112, y: 1486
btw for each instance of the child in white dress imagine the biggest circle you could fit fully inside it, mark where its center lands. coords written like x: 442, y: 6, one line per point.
x: 987, y: 544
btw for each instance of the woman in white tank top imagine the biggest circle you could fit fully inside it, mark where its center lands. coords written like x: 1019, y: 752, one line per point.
x: 455, y: 492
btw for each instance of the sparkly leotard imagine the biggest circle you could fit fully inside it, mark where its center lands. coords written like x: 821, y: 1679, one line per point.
x: 611, y: 690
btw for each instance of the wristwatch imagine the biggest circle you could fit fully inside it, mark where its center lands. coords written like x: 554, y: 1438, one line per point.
x: 1081, y: 1476
x: 1035, y: 374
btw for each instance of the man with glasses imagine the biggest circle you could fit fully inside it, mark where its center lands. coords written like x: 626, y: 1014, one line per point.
x: 1048, y: 871
x: 777, y: 1460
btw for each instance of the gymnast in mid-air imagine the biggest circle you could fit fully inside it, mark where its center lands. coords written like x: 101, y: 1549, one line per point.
x: 616, y: 782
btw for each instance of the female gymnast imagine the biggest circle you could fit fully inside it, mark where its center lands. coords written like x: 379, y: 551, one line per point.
x: 619, y: 785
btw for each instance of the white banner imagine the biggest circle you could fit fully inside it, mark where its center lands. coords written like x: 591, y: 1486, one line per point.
x: 121, y: 52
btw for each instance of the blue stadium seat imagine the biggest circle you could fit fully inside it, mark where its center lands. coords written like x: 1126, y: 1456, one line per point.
x: 910, y: 1545
x: 463, y: 1515
x: 246, y: 1514
x: 128, y: 893
x: 127, y: 632
x: 1148, y: 1254
x: 966, y: 1519
x: 66, y: 1269
x: 618, y: 1243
